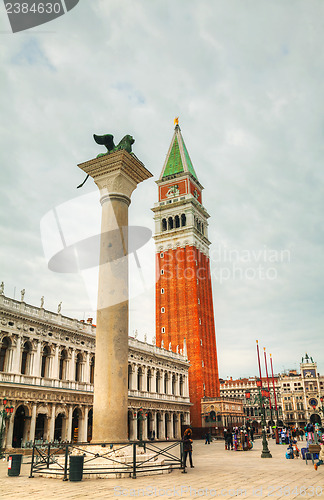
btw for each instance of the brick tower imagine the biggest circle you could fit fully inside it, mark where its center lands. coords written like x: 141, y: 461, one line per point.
x: 184, y: 302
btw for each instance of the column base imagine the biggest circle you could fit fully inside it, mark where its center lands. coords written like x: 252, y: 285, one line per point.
x: 266, y: 454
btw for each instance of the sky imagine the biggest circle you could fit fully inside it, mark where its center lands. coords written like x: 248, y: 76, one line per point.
x: 246, y: 80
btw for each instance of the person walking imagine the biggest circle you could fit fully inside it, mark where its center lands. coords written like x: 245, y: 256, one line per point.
x: 252, y: 434
x: 320, y: 457
x: 187, y: 448
x: 229, y: 439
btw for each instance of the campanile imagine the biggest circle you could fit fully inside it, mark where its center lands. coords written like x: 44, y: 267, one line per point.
x: 184, y: 302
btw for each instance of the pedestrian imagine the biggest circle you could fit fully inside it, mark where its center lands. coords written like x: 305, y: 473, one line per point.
x: 252, y: 433
x: 321, y: 458
x: 229, y: 439
x: 207, y: 441
x: 225, y: 434
x: 301, y: 434
x: 187, y: 448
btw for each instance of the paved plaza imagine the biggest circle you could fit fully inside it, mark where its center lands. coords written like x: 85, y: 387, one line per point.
x: 218, y: 473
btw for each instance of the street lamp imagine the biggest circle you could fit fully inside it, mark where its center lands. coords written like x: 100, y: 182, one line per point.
x: 265, y: 451
x: 261, y: 398
x: 5, y: 413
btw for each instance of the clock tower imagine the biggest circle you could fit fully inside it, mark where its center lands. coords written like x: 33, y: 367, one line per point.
x: 184, y: 302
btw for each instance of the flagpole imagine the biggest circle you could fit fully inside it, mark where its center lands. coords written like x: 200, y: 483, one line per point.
x: 265, y: 450
x: 274, y: 392
x: 266, y: 365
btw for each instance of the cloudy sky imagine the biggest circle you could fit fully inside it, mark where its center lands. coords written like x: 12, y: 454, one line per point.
x: 246, y: 80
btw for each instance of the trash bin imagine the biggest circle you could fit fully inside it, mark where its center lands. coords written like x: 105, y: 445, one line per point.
x: 76, y: 467
x: 14, y: 464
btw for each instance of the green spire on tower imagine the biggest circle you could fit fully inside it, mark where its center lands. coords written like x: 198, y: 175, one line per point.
x: 178, y: 159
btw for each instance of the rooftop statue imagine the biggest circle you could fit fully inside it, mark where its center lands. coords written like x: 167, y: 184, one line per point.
x: 108, y: 141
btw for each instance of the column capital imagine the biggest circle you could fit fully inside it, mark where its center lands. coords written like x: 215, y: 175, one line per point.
x: 116, y: 173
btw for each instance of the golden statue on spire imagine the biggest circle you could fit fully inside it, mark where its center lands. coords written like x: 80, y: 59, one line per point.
x: 176, y: 120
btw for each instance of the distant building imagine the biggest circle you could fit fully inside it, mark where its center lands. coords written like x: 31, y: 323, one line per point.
x: 246, y: 390
x: 298, y: 396
x: 302, y: 393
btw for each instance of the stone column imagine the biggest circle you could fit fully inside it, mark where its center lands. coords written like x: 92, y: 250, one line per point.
x: 10, y: 431
x: 169, y: 426
x: 69, y: 426
x: 33, y: 423
x: 56, y: 364
x: 153, y: 423
x: 36, y: 368
x: 86, y: 373
x: 83, y: 436
x: 133, y: 429
x: 8, y: 367
x: 52, y: 425
x: 162, y: 425
x: 153, y: 380
x: 145, y: 429
x: 17, y: 356
x: 178, y: 436
x: 72, y: 366
x: 116, y: 175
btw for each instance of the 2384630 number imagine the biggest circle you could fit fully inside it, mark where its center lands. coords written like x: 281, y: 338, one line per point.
x: 35, y: 8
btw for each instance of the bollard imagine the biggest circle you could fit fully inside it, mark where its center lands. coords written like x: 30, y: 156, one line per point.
x: 14, y: 464
x: 76, y: 468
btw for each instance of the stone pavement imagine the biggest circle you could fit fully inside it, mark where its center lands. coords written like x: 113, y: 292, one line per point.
x: 218, y: 473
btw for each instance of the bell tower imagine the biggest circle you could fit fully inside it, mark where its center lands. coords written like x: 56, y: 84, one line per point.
x: 184, y: 302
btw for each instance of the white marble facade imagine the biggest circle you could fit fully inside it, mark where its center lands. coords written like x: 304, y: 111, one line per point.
x: 46, y: 373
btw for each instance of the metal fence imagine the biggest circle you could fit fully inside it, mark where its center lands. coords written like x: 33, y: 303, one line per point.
x: 155, y: 457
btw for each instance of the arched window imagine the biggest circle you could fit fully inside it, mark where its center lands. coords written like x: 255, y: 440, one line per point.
x: 170, y: 223
x: 164, y: 225
x: 130, y: 376
x: 177, y: 221
x: 166, y: 383
x: 78, y: 368
x: 25, y: 358
x: 148, y: 380
x: 157, y: 381
x: 45, y: 362
x: 183, y: 220
x: 173, y: 385
x: 92, y: 365
x: 63, y: 365
x: 139, y: 379
x: 4, y: 355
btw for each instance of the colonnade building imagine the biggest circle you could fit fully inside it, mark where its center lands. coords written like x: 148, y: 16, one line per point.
x: 47, y: 369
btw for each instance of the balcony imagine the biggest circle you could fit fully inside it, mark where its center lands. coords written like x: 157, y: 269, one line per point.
x: 157, y: 396
x: 31, y: 380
